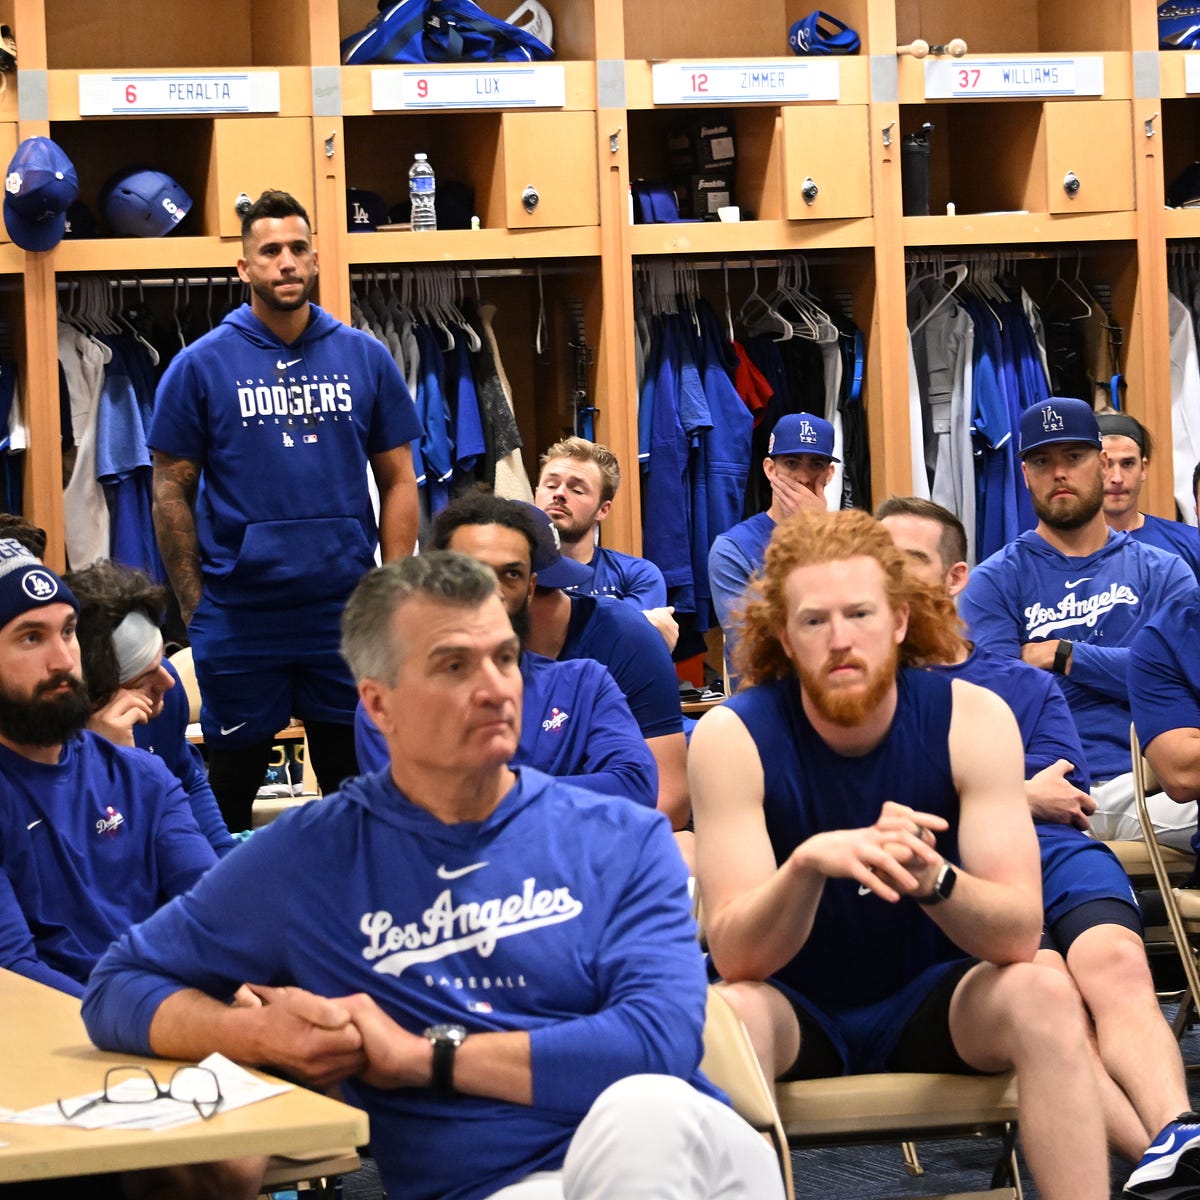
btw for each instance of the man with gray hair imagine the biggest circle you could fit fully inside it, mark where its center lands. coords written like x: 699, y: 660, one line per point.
x: 500, y: 966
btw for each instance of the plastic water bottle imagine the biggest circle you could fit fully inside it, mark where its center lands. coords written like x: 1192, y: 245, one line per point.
x: 422, y: 189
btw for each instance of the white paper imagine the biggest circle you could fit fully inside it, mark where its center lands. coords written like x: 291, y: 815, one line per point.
x: 238, y: 1088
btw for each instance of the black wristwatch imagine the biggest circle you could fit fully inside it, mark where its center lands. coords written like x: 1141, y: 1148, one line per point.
x: 942, y: 887
x: 1062, y: 655
x: 445, y: 1040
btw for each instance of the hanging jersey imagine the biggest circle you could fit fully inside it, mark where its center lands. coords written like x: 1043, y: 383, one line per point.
x: 1185, y: 404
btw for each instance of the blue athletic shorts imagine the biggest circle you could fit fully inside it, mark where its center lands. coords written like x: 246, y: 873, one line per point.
x: 258, y: 669
x: 864, y: 1039
x: 1076, y: 870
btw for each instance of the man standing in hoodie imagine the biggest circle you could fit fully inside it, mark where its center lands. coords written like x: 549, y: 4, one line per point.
x: 262, y: 435
x: 1069, y: 597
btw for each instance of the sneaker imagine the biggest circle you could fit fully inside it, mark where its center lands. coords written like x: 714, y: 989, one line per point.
x: 1170, y: 1168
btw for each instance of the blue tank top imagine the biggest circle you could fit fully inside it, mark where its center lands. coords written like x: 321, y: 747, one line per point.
x: 861, y: 948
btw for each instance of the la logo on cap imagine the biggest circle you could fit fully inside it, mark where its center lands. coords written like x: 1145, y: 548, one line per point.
x: 361, y: 216
x: 39, y: 584
x: 807, y: 432
x: 1052, y: 421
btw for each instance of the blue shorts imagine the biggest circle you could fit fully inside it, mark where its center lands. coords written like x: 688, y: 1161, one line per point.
x: 1076, y: 870
x: 258, y: 669
x: 864, y: 1038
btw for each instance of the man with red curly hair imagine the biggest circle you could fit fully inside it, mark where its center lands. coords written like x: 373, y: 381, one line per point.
x: 866, y: 857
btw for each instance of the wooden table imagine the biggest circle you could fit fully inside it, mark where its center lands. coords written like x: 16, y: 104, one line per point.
x: 45, y: 1055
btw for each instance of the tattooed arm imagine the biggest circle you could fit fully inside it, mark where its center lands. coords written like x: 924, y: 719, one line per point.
x: 176, y: 481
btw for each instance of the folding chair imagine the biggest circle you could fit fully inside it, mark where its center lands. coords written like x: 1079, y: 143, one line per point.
x: 318, y: 1171
x: 851, y: 1109
x: 1182, y: 907
x: 730, y: 1062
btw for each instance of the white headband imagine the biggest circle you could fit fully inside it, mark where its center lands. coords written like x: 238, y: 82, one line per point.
x: 137, y: 643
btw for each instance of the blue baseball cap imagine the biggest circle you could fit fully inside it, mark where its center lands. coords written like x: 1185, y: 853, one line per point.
x: 802, y: 433
x: 39, y: 186
x: 365, y: 211
x: 141, y: 202
x: 1059, y: 419
x: 553, y: 568
x: 80, y: 222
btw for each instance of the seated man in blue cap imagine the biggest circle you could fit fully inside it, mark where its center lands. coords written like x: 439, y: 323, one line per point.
x: 799, y: 465
x: 1070, y: 596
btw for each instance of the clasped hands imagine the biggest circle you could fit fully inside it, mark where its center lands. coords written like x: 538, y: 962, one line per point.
x: 322, y: 1041
x: 896, y: 856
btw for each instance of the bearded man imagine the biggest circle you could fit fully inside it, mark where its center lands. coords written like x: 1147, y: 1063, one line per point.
x: 93, y: 836
x: 1070, y: 596
x: 865, y: 853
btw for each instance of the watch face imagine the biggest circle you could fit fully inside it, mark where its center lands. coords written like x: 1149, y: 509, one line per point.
x: 449, y: 1033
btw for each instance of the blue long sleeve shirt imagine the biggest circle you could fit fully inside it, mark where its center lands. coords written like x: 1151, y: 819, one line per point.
x: 88, y: 846
x: 561, y: 914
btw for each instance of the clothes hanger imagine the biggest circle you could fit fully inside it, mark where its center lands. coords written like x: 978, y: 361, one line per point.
x: 128, y: 325
x: 453, y: 285
x: 825, y: 332
x: 757, y: 316
x: 1061, y: 284
x: 539, y: 339
x: 959, y: 272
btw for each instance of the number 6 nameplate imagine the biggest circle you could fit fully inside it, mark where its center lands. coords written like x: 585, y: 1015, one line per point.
x: 138, y: 93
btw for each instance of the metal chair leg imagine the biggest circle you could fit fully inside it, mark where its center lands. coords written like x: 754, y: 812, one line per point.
x: 912, y: 1161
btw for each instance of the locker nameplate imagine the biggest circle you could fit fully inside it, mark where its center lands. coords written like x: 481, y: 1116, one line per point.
x: 749, y: 82
x: 469, y: 87
x: 136, y: 94
x: 964, y: 77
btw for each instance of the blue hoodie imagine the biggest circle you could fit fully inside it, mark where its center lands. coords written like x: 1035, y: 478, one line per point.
x: 562, y: 914
x: 283, y: 435
x: 1030, y: 592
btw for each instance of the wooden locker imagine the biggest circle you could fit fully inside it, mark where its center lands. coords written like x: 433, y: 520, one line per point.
x: 825, y: 146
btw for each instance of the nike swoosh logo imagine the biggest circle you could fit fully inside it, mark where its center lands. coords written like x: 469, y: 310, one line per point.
x: 1165, y: 1148
x: 226, y: 730
x: 33, y: 823
x: 863, y: 891
x: 1076, y: 582
x: 446, y: 873
x: 280, y: 365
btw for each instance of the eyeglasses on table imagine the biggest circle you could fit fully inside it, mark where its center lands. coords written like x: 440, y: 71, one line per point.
x: 197, y: 1086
